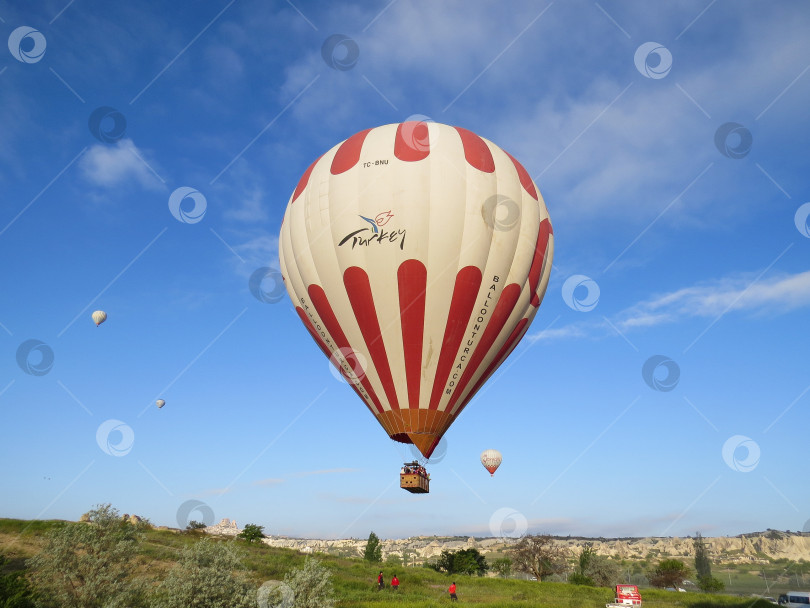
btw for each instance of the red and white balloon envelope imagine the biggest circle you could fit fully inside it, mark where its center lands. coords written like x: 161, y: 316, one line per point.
x: 416, y: 256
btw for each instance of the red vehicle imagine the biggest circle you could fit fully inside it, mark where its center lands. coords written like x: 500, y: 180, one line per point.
x: 626, y: 595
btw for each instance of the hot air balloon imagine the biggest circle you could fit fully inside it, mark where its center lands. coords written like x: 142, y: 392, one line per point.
x: 99, y: 317
x: 491, y: 459
x: 160, y: 403
x: 416, y: 256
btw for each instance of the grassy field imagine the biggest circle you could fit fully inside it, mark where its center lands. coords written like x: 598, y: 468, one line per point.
x: 354, y: 579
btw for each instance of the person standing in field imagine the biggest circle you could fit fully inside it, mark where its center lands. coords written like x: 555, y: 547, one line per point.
x: 395, y: 583
x: 380, y: 582
x: 452, y: 591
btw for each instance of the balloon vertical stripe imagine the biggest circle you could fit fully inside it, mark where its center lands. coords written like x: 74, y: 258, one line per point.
x: 476, y: 151
x: 525, y: 178
x: 412, y: 283
x: 539, y: 255
x: 359, y: 291
x: 412, y: 142
x: 321, y: 303
x: 468, y: 281
x: 504, y: 307
x: 302, y: 183
x: 348, y: 153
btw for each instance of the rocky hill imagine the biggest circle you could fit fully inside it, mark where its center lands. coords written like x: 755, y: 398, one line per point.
x: 757, y: 547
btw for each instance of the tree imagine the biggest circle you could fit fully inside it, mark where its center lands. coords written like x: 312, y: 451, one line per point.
x: 502, y: 566
x: 703, y: 566
x: 373, y: 552
x: 209, y: 573
x: 603, y: 571
x: 539, y: 555
x: 464, y: 561
x: 669, y: 573
x: 311, y: 585
x: 194, y: 526
x: 90, y: 565
x: 469, y: 561
x: 251, y: 533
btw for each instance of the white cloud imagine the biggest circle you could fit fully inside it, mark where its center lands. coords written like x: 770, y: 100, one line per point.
x: 115, y: 165
x: 775, y: 295
x: 250, y: 207
x: 260, y: 250
x: 778, y: 294
x: 570, y: 331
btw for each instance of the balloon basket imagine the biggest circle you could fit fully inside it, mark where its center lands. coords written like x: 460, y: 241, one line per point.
x: 414, y: 478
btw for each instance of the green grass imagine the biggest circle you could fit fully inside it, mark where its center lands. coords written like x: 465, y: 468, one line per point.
x: 355, y: 579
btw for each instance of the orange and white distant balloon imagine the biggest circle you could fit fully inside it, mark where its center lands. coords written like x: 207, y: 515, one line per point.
x: 99, y: 317
x: 491, y: 459
x: 416, y: 255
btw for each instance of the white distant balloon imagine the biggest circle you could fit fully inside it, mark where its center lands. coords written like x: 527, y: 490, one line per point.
x: 491, y: 459
x: 160, y: 403
x: 99, y: 317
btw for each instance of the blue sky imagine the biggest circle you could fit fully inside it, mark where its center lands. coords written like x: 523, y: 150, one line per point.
x: 663, y: 387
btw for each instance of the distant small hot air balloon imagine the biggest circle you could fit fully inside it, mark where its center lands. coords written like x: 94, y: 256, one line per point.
x: 160, y: 403
x: 491, y: 459
x: 99, y: 317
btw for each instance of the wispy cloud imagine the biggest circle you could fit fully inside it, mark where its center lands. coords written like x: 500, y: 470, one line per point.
x: 325, y: 472
x: 249, y: 208
x: 273, y: 481
x: 114, y: 165
x: 776, y: 295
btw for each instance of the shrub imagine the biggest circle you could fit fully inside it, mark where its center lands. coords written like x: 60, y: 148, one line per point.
x: 89, y: 565
x: 311, y: 585
x: 210, y: 574
x: 15, y: 591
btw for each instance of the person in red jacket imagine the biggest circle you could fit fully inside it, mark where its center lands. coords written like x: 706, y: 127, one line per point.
x: 452, y: 590
x: 380, y: 581
x: 395, y: 583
